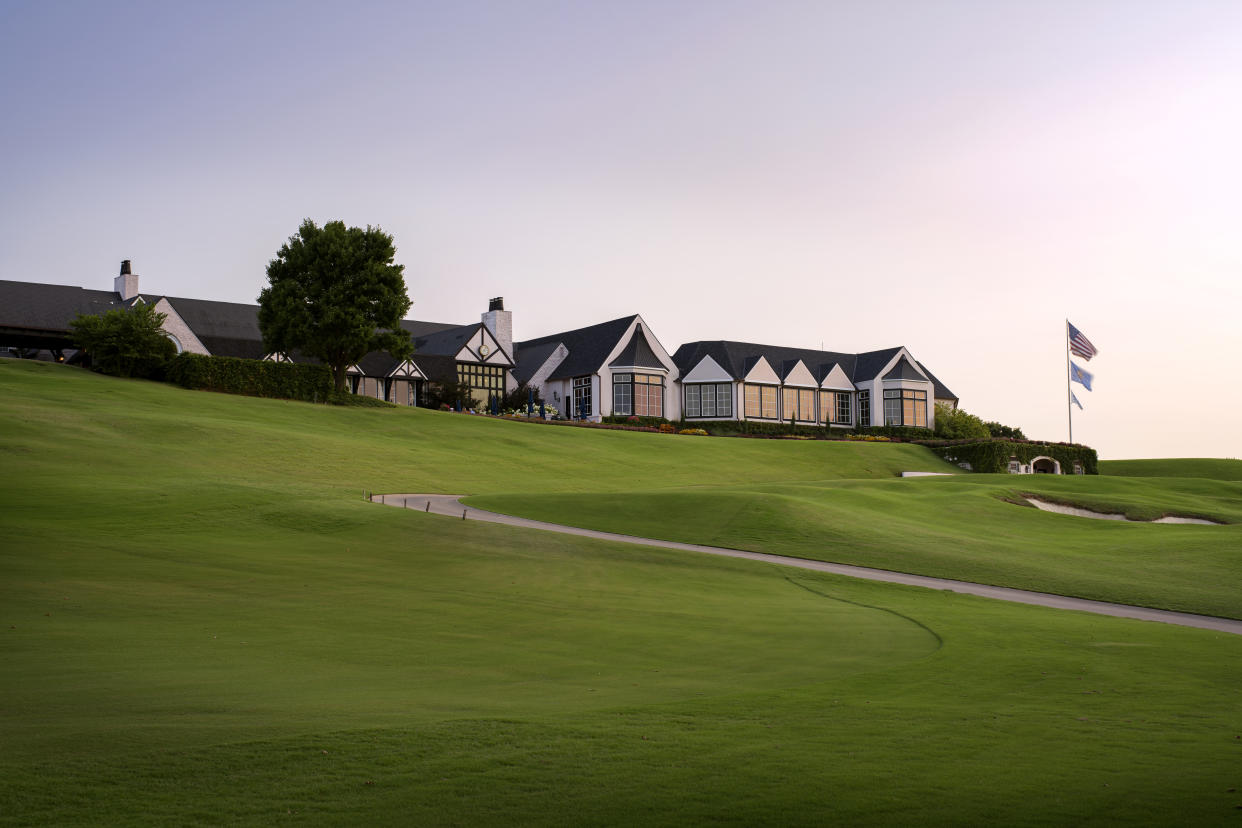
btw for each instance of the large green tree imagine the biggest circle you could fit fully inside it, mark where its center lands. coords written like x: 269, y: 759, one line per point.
x: 334, y: 293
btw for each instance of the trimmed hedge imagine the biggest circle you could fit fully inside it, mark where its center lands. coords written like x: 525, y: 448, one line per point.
x: 771, y: 428
x: 251, y: 377
x: 633, y: 420
x: 992, y: 456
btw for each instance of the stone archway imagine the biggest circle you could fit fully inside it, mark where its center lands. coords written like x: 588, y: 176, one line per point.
x: 1045, y: 465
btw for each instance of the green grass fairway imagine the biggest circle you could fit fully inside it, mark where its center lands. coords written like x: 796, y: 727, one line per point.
x: 954, y: 527
x: 1207, y: 468
x: 202, y: 622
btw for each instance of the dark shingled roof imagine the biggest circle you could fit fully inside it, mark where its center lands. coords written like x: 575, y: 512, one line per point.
x: 441, y: 340
x: 941, y: 390
x: 588, y: 348
x: 531, y: 359
x: 232, y: 329
x: 40, y: 314
x: 30, y: 312
x: 224, y: 328
x: 903, y: 370
x: 437, y: 367
x: 738, y: 358
x: 638, y: 352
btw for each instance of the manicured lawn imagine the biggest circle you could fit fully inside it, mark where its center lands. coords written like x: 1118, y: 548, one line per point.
x: 1207, y: 468
x: 202, y: 622
x: 957, y: 527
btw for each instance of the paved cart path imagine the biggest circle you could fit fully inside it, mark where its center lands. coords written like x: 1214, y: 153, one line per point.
x: 451, y: 506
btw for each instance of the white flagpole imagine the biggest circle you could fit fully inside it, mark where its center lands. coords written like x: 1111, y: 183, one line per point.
x: 1069, y: 391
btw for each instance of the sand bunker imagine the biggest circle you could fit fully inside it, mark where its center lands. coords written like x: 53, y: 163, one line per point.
x: 1078, y: 511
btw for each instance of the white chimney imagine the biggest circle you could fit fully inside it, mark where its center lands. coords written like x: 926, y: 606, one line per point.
x: 500, y: 322
x: 127, y: 283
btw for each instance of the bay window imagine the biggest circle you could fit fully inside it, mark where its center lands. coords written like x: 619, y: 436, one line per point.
x: 639, y: 394
x: 905, y: 407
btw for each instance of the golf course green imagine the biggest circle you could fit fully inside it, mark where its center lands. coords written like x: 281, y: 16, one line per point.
x: 203, y: 621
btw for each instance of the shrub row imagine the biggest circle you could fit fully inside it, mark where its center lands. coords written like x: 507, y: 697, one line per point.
x: 751, y: 428
x: 992, y: 456
x: 634, y: 420
x: 252, y: 377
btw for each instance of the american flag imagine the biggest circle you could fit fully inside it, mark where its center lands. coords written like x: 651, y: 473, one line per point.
x: 1079, y: 344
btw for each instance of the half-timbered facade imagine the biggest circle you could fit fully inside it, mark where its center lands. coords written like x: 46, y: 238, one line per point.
x: 36, y: 317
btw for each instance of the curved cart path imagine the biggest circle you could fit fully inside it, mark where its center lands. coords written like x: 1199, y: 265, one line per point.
x: 451, y: 506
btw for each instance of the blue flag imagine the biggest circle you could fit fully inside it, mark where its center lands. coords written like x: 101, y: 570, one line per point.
x: 1080, y: 376
x: 1074, y: 399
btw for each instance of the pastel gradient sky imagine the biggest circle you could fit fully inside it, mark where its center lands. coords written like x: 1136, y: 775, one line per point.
x: 958, y: 177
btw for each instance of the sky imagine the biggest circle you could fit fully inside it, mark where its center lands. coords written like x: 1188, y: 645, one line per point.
x: 955, y: 176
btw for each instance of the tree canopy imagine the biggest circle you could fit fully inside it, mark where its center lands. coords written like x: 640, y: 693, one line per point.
x: 957, y: 424
x: 335, y: 294
x: 126, y: 342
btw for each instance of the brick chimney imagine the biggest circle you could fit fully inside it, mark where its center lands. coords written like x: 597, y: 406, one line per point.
x: 127, y: 283
x: 500, y: 322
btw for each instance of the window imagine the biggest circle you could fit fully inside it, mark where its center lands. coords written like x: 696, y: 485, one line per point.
x: 864, y: 409
x: 834, y: 407
x: 648, y: 395
x: 709, y: 400
x: 622, y: 393
x: 905, y: 407
x: 582, y: 397
x: 798, y: 403
x: 760, y: 401
x: 485, y: 381
x: 638, y: 394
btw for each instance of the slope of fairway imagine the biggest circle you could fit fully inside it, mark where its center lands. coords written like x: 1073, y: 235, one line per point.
x: 957, y: 527
x: 202, y: 622
x: 346, y: 450
x: 1206, y: 468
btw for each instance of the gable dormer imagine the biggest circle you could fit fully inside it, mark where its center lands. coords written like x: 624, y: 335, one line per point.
x: 482, y: 346
x: 905, y: 369
x: 798, y: 375
x: 836, y: 380
x: 638, y: 353
x: 760, y: 371
x: 407, y: 370
x: 707, y: 370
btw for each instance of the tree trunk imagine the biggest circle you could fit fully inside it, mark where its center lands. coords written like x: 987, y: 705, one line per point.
x: 338, y: 377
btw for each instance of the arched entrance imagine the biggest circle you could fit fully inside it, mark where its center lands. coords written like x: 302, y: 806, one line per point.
x: 1045, y: 465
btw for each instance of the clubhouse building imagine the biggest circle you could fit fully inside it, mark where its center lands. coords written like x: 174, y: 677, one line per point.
x: 614, y: 368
